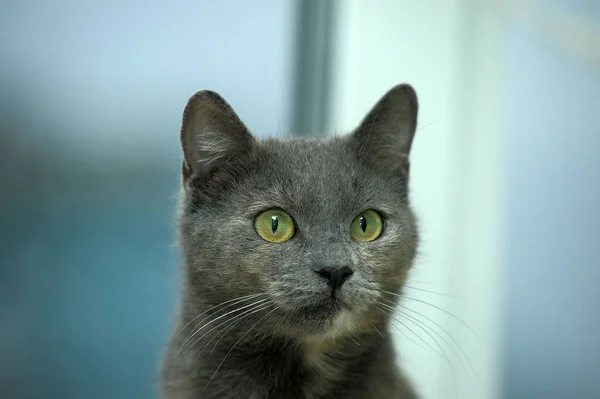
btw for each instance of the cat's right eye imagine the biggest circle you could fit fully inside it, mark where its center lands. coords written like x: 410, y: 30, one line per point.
x: 367, y: 226
x: 275, y: 225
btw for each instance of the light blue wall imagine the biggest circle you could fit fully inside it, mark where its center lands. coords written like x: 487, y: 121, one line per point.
x: 552, y: 339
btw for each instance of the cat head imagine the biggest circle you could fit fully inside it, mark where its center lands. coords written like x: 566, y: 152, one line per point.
x: 307, y: 234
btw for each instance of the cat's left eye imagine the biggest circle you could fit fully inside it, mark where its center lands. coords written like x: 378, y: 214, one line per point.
x: 367, y: 226
x: 275, y: 225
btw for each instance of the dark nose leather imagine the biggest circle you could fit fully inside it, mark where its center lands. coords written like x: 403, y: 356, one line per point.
x: 335, y: 276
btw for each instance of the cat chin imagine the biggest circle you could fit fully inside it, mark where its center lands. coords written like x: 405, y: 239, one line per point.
x: 323, y: 323
x: 343, y: 323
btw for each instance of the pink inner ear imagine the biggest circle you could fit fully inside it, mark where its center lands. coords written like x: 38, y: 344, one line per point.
x: 211, y: 134
x: 185, y: 172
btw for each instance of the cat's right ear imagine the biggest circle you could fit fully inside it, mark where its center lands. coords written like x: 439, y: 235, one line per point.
x: 213, y: 139
x: 385, y: 135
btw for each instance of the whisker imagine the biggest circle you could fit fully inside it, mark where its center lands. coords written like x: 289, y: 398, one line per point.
x: 402, y: 332
x: 234, y: 319
x: 445, y: 311
x: 275, y: 332
x: 237, y: 342
x: 223, y: 315
x: 433, y: 292
x: 436, y: 307
x: 426, y: 125
x: 196, y: 331
x: 235, y: 300
x: 357, y: 335
x: 228, y: 322
x: 265, y: 332
x: 424, y: 327
x: 415, y: 334
x: 376, y: 329
x: 233, y: 325
x: 460, y: 348
x: 470, y: 369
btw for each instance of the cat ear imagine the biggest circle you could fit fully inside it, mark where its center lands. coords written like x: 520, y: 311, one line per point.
x: 385, y: 135
x: 213, y: 137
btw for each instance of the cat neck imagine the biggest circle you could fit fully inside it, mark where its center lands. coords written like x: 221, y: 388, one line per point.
x: 277, y: 366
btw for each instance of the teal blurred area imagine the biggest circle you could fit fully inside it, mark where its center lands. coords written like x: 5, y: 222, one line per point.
x: 91, y: 95
x: 88, y: 284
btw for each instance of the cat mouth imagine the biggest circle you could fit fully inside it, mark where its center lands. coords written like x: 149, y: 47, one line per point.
x: 328, y: 315
x: 327, y: 308
x: 337, y: 302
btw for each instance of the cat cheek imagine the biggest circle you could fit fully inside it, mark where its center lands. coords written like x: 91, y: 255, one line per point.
x: 253, y: 267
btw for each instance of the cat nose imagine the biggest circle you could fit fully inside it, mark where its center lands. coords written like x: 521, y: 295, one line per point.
x: 335, y: 276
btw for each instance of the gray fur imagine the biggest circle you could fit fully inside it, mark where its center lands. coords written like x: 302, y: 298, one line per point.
x: 287, y: 341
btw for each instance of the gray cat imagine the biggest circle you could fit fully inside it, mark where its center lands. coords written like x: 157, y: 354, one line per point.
x: 294, y: 251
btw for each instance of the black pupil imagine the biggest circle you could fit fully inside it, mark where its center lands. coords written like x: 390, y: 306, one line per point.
x: 274, y: 223
x: 363, y: 223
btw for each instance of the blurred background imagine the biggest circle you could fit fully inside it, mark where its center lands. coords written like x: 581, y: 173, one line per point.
x: 505, y: 175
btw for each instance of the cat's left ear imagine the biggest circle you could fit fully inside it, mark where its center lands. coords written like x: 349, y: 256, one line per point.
x: 215, y: 141
x: 385, y: 135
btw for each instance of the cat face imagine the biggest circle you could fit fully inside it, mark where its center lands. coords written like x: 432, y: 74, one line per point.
x: 315, y: 230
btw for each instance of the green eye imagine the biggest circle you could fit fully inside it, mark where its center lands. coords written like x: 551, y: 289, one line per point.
x: 274, y: 225
x: 367, y: 226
